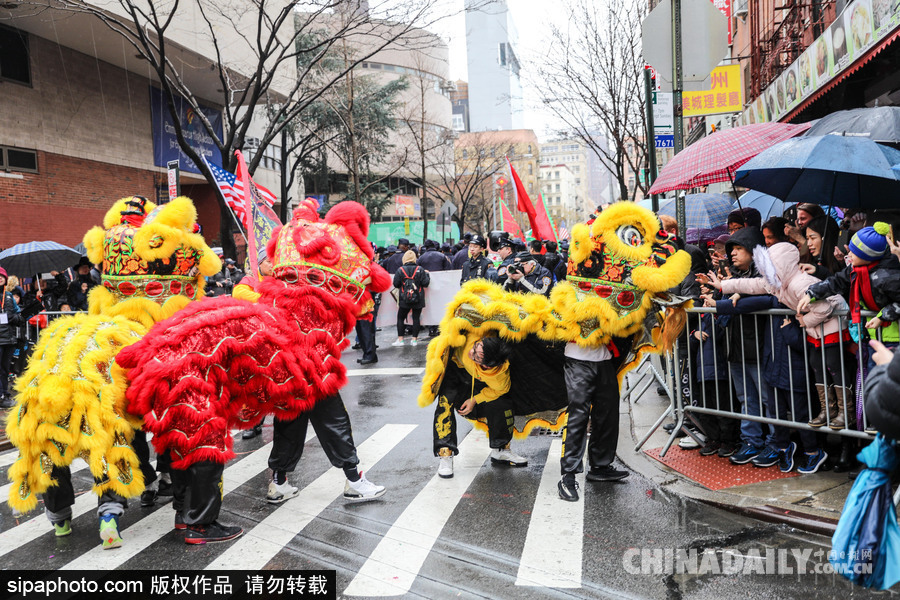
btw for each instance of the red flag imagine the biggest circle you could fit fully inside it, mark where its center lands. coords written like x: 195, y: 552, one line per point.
x: 523, y: 203
x: 547, y: 232
x: 508, y: 223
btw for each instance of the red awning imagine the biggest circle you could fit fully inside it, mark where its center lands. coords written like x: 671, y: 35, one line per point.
x: 856, y: 66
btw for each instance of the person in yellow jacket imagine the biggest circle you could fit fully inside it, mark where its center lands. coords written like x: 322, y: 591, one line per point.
x: 246, y: 290
x: 477, y: 391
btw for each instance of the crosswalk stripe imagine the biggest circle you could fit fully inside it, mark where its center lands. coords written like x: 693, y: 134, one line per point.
x: 8, y: 458
x: 394, y: 565
x: 77, y: 465
x: 552, y: 553
x: 391, y: 371
x: 36, y: 526
x: 151, y: 528
x: 258, y: 546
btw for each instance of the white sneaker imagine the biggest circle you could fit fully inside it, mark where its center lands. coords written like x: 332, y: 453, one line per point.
x: 507, y: 456
x: 689, y: 443
x: 279, y: 493
x: 399, y: 342
x: 445, y: 467
x: 362, y: 490
x: 415, y: 342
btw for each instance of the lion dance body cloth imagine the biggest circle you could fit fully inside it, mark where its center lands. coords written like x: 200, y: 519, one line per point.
x: 620, y: 268
x: 226, y: 363
x: 71, y: 398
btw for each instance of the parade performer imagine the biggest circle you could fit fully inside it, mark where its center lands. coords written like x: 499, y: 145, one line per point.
x: 620, y: 268
x: 226, y: 363
x: 71, y: 398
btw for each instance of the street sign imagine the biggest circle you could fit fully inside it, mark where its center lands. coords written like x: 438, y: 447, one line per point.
x: 663, y: 119
x: 665, y: 141
x: 702, y: 50
x: 173, y: 172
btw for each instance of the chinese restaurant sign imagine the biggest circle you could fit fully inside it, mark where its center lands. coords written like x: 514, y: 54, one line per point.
x: 861, y: 25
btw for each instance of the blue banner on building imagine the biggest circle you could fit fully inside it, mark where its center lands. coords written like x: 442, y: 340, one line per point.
x: 165, y: 141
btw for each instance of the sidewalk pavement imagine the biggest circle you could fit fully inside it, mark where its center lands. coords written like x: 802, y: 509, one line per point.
x: 809, y: 502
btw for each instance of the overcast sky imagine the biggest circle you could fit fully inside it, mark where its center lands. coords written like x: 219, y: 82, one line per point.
x: 530, y: 17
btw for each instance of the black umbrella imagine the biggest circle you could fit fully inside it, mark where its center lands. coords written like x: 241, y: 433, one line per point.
x: 26, y: 260
x: 880, y: 124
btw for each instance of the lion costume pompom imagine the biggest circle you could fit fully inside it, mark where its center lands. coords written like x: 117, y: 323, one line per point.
x: 71, y: 398
x: 619, y: 269
x: 226, y: 363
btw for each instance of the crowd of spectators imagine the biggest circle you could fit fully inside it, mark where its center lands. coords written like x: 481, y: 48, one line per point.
x: 816, y: 263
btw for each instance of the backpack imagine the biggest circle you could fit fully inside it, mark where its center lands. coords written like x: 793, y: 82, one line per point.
x: 410, y: 292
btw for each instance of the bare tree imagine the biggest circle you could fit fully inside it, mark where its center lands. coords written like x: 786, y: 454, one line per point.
x: 465, y: 176
x: 592, y: 80
x: 269, y: 56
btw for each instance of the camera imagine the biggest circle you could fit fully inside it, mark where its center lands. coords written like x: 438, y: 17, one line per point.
x: 514, y: 268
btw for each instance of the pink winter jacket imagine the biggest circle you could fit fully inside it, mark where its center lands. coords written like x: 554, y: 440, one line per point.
x: 782, y: 277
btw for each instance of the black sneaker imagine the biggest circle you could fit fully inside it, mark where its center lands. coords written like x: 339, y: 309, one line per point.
x: 710, y: 448
x: 568, y: 488
x: 148, y: 497
x: 252, y: 433
x: 607, y: 473
x: 7, y: 401
x: 727, y: 449
x: 179, y: 522
x: 165, y: 488
x: 207, y: 534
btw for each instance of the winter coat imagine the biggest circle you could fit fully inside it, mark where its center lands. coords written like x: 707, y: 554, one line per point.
x: 460, y: 258
x: 394, y: 262
x: 9, y: 330
x: 783, y: 363
x: 782, y: 277
x: 421, y: 278
x: 434, y: 260
x: 881, y: 397
x: 478, y: 267
x: 551, y: 259
x: 744, y: 345
x: 885, y: 282
x: 710, y: 362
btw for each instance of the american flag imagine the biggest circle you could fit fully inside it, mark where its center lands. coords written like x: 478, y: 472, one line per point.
x: 562, y: 233
x: 233, y: 191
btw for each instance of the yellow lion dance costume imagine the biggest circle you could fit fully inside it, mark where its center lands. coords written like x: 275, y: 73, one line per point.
x: 620, y: 268
x: 71, y: 399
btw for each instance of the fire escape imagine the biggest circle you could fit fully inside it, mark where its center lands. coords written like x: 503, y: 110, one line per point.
x: 780, y: 30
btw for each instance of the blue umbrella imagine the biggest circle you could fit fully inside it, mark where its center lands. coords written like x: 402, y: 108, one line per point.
x: 25, y: 260
x: 865, y: 547
x: 768, y: 206
x: 702, y: 211
x: 832, y: 170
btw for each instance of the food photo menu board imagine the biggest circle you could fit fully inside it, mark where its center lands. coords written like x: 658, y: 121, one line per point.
x: 860, y: 26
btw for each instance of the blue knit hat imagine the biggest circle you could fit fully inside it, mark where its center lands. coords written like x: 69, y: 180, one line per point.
x: 870, y: 243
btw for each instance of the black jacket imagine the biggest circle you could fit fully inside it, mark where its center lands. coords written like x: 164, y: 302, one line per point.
x: 476, y: 267
x: 434, y: 260
x: 551, y: 259
x: 394, y: 262
x: 8, y: 334
x: 882, y: 397
x: 421, y: 278
x: 539, y: 281
x: 885, y: 281
x: 744, y: 332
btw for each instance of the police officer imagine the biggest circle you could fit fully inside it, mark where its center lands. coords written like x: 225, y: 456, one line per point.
x: 502, y: 245
x: 478, y: 264
x: 526, y: 275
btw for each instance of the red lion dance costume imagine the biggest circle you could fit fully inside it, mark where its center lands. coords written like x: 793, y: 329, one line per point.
x: 226, y: 363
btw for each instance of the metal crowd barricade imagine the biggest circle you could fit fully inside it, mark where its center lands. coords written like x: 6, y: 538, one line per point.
x: 686, y: 411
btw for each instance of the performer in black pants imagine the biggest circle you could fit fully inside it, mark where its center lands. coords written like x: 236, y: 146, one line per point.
x: 332, y: 425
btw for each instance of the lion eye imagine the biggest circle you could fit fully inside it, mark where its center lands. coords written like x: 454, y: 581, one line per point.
x: 630, y: 235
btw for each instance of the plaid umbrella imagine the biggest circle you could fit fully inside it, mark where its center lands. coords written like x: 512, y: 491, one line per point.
x: 25, y: 260
x: 701, y: 211
x: 716, y: 157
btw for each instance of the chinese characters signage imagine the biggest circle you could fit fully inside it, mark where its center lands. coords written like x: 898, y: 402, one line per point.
x: 724, y: 96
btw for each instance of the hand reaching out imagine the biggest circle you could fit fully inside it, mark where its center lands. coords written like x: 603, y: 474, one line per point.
x: 466, y: 407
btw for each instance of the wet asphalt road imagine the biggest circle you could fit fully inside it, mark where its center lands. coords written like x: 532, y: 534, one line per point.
x: 479, y: 549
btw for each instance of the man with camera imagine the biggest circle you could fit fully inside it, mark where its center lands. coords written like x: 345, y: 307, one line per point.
x: 526, y: 275
x: 502, y: 245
